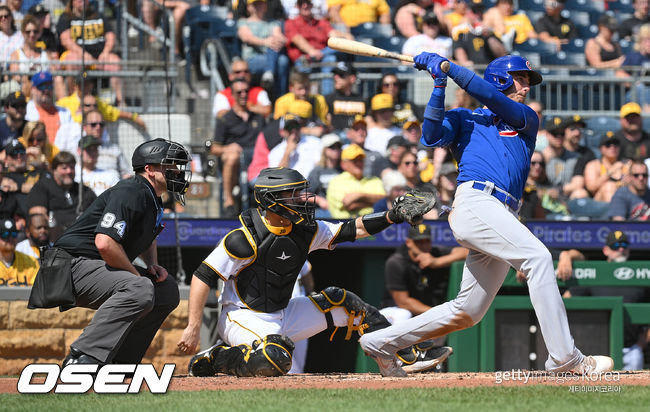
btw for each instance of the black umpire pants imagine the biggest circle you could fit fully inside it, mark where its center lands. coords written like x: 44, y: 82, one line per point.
x: 130, y: 310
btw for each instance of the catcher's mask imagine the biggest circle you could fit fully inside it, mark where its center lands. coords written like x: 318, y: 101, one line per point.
x: 284, y: 192
x: 166, y: 153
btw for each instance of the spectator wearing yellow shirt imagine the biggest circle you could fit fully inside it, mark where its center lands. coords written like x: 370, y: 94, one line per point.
x: 352, y: 13
x: 16, y: 269
x: 501, y: 20
x: 110, y: 113
x: 350, y: 193
x: 299, y: 90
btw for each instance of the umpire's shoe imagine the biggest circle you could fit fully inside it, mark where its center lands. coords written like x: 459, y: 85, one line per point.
x: 77, y: 357
x: 201, y: 364
x: 429, y: 359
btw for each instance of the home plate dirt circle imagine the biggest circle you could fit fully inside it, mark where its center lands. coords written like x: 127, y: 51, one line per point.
x: 375, y: 381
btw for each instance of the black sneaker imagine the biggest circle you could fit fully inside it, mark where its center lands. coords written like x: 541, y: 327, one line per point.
x: 77, y: 357
x: 429, y: 359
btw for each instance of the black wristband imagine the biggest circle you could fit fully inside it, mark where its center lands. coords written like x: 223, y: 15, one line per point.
x: 394, y: 217
x: 375, y: 222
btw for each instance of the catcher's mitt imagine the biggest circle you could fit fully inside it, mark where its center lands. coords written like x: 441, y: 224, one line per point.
x: 411, y: 207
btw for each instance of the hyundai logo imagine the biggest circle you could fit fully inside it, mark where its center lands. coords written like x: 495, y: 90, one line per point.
x: 624, y: 273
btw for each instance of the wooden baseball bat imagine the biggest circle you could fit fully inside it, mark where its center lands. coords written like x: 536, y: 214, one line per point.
x: 363, y: 49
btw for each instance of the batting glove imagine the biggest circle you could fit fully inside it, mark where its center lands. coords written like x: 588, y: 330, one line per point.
x: 431, y: 63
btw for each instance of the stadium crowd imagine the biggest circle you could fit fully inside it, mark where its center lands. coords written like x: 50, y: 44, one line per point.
x: 359, y: 152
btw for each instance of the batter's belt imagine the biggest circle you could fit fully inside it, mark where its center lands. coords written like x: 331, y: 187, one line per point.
x: 503, y: 196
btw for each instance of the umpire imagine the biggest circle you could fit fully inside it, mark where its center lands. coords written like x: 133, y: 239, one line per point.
x: 120, y: 225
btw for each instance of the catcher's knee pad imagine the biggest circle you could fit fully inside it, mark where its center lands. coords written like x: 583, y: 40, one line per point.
x: 333, y: 296
x: 270, y: 356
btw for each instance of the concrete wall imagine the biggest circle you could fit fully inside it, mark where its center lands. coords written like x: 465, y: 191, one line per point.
x: 44, y: 336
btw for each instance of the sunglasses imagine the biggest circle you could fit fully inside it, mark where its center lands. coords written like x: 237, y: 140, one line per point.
x: 389, y: 84
x: 19, y: 106
x: 30, y: 32
x: 537, y: 163
x: 410, y: 163
x: 243, y: 91
x: 610, y: 144
x: 36, y: 139
x: 90, y: 104
x: 241, y: 71
x: 45, y: 86
x: 4, y: 16
x: 6, y: 234
x: 618, y: 245
x: 95, y: 124
x: 638, y: 175
x: 17, y: 153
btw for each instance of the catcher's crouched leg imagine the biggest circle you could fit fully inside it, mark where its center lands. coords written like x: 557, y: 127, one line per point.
x: 270, y: 356
x: 369, y: 317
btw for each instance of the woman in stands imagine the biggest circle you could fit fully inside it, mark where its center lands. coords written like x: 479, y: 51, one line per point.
x: 30, y: 57
x: 10, y: 38
x: 605, y: 175
x: 601, y: 51
x: 404, y: 110
x: 97, y: 41
x: 40, y: 152
x: 262, y: 47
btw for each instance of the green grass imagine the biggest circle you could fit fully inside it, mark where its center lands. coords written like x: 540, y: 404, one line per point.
x: 519, y: 399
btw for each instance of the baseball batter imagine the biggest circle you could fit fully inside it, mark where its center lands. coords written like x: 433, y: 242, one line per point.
x: 493, y: 146
x: 259, y: 264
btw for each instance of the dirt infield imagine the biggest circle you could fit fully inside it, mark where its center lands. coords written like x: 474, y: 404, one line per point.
x: 375, y: 381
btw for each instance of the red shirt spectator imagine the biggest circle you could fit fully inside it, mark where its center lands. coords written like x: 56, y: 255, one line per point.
x: 315, y: 31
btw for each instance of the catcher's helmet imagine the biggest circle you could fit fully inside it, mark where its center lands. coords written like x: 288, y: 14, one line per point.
x: 164, y: 152
x: 498, y: 71
x: 283, y: 191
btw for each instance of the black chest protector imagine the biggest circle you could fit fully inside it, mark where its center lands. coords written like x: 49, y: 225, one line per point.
x: 266, y: 285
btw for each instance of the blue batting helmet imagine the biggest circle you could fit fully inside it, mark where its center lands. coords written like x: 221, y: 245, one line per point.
x: 498, y: 71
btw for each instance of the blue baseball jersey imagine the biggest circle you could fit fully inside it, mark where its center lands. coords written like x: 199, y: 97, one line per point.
x: 491, y: 144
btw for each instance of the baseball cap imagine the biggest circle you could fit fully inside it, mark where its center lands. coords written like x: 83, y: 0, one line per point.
x: 8, y: 87
x: 359, y: 119
x: 410, y: 123
x: 616, y: 236
x: 381, y: 101
x: 630, y: 108
x: 607, y: 21
x: 8, y: 228
x: 88, y: 140
x: 344, y: 69
x: 15, y: 97
x: 38, y: 9
x: 301, y: 108
x: 608, y: 137
x: 14, y: 147
x: 398, y: 141
x: 330, y: 139
x: 571, y: 120
x: 430, y: 18
x: 352, y: 151
x: 419, y: 232
x: 554, y: 125
x: 41, y: 78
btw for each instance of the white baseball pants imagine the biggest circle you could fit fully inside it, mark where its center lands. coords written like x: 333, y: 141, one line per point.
x: 497, y: 240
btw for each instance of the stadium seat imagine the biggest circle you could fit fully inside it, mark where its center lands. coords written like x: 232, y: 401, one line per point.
x: 626, y: 46
x: 621, y: 6
x: 204, y: 23
x: 563, y: 58
x: 534, y: 58
x: 578, y: 17
x: 576, y: 45
x: 393, y: 43
x: 371, y: 30
x: 585, y: 5
x: 535, y: 46
x: 534, y: 15
x: 587, y: 32
x: 601, y: 124
x: 530, y: 5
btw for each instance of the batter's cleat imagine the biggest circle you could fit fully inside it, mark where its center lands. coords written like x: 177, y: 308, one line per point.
x: 201, y: 363
x: 594, y: 365
x: 390, y: 367
x: 429, y: 359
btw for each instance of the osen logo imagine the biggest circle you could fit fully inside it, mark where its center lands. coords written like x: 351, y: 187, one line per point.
x: 624, y: 273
